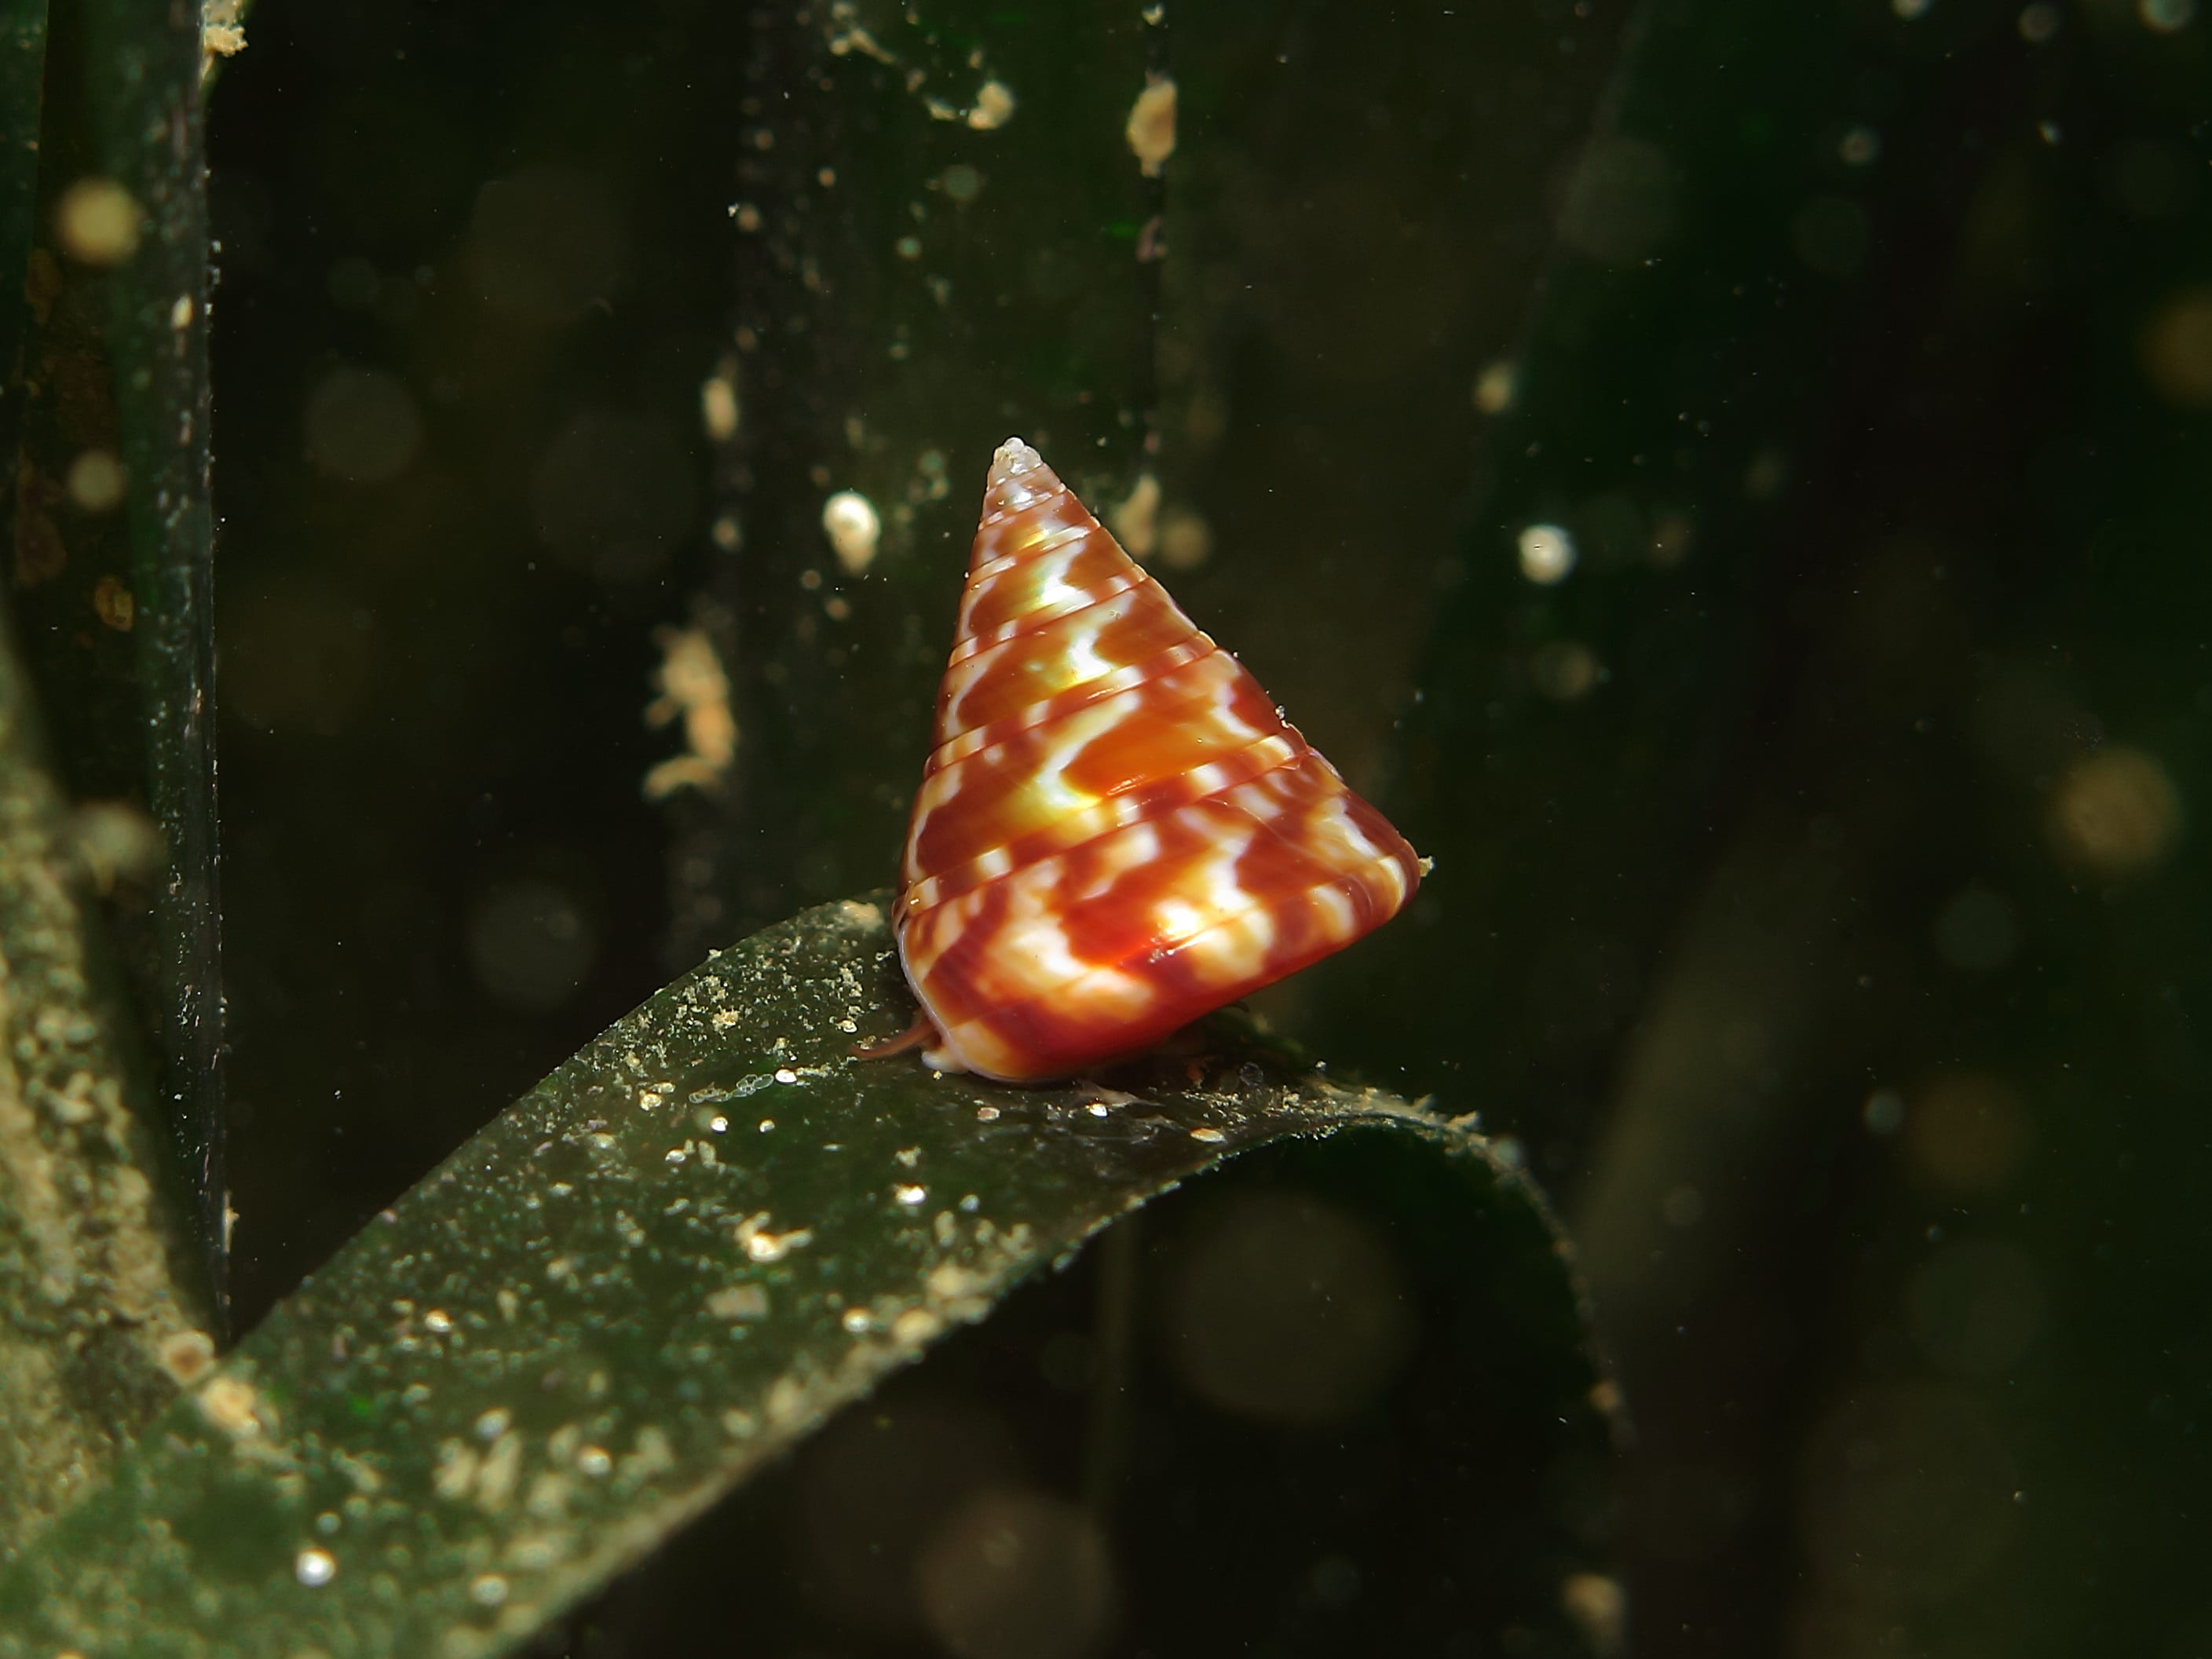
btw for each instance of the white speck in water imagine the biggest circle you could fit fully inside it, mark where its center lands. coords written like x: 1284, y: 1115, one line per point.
x: 785, y: 1074
x: 718, y: 1124
x: 857, y: 1320
x: 1548, y: 554
x: 439, y: 1320
x: 1207, y: 1134
x: 594, y: 1461
x: 987, y: 1114
x: 493, y: 1424
x: 314, y: 1568
x: 850, y: 522
x: 911, y: 1196
x: 488, y: 1589
x: 765, y: 1124
x: 1098, y: 1109
x: 970, y: 1204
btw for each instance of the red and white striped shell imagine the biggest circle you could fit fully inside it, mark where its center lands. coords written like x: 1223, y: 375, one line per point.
x: 1116, y: 831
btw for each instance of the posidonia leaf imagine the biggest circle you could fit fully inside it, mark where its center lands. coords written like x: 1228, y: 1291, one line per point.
x: 700, y: 1237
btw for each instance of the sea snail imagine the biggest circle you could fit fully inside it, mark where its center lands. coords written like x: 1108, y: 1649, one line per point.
x: 1116, y: 831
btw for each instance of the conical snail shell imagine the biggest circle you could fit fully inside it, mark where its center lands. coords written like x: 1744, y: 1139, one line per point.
x: 1116, y: 831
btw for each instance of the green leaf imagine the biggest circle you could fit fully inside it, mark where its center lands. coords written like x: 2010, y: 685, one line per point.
x: 111, y: 567
x: 696, y: 1241
x: 23, y: 61
x: 99, y: 1323
x: 144, y: 84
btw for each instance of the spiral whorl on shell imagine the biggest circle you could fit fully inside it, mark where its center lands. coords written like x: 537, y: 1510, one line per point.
x: 1116, y: 832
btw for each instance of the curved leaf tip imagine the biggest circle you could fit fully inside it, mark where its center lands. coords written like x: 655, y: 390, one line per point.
x: 692, y: 1243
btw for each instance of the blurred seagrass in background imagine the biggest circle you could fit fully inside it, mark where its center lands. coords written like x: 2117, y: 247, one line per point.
x: 1727, y: 478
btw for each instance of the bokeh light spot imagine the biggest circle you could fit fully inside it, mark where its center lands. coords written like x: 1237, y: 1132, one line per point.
x: 1017, y: 1575
x: 1548, y: 554
x: 1975, y: 1307
x: 362, y: 425
x: 2116, y: 813
x: 1968, y: 1132
x: 530, y: 944
x: 546, y: 243
x: 1978, y: 931
x: 1286, y: 1310
x: 1620, y: 205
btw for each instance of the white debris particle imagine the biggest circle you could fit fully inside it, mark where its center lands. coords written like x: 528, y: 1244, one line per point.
x: 718, y: 1124
x: 738, y: 1424
x: 651, y: 1456
x: 994, y: 106
x: 786, y: 1399
x: 186, y: 1357
x: 510, y: 1304
x: 849, y: 520
x: 494, y: 1423
x: 910, y: 1195
x: 536, y: 1553
x: 987, y: 1114
x: 857, y: 1320
x: 501, y: 1465
x: 725, y: 1018
x: 949, y: 1281
x: 909, y: 1156
x: 231, y: 1405
x: 1152, y: 126
x: 785, y: 1074
x: 438, y: 1320
x: 694, y: 687
x: 765, y: 1124
x: 1207, y: 1134
x: 314, y: 1568
x: 916, y: 1325
x: 180, y: 314
x: 762, y: 1245
x: 594, y: 1461
x: 853, y: 37
x: 738, y: 1302
x: 1098, y: 1109
x: 487, y: 1589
